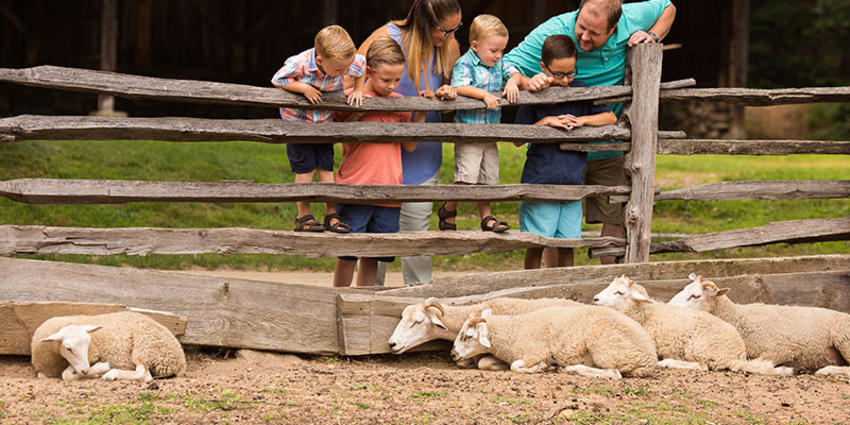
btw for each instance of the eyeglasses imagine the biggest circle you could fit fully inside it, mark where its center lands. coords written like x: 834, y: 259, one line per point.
x: 559, y: 75
x: 447, y: 33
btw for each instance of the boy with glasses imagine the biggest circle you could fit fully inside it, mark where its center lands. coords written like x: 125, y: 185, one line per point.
x: 546, y: 164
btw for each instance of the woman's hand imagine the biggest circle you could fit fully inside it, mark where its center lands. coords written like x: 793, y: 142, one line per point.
x: 446, y: 92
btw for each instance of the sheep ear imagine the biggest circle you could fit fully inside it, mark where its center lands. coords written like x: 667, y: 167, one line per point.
x: 484, y: 340
x: 486, y: 313
x: 722, y: 291
x: 692, y: 276
x: 637, y: 296
x: 91, y: 328
x: 55, y: 337
x: 436, y: 321
x: 631, y: 282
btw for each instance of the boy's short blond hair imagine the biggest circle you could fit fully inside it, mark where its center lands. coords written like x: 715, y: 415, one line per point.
x: 384, y: 51
x: 333, y: 43
x: 484, y: 26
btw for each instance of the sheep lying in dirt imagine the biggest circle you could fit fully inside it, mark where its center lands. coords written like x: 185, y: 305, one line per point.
x: 587, y: 340
x: 429, y: 321
x: 808, y: 338
x: 123, y: 345
x: 684, y: 338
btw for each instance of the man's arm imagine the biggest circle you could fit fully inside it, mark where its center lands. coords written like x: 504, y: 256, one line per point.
x: 660, y: 28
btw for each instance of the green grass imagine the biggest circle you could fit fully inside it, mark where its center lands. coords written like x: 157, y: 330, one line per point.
x: 266, y: 163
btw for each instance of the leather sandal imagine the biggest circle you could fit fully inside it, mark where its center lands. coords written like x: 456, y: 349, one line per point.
x: 338, y: 227
x: 443, y: 214
x: 496, y: 227
x: 308, y: 223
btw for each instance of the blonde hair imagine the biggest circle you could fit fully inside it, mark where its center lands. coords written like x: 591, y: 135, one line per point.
x: 416, y: 28
x: 384, y: 51
x: 333, y: 43
x: 484, y: 26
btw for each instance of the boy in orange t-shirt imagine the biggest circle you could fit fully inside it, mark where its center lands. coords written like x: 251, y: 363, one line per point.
x: 373, y: 162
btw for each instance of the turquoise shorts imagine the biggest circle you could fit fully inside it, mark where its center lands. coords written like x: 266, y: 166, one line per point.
x: 551, y: 219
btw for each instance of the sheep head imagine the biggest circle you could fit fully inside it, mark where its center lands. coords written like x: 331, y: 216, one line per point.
x: 74, y: 341
x: 419, y: 324
x: 699, y: 294
x: 473, y: 338
x: 620, y: 294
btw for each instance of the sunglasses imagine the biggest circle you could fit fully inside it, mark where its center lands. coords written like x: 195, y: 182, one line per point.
x: 559, y: 75
x: 447, y: 33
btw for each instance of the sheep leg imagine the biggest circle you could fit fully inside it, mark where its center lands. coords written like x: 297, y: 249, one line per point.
x: 69, y: 375
x: 491, y: 363
x: 140, y: 374
x: 592, y: 372
x: 98, y: 369
x: 679, y: 364
x: 834, y: 370
x: 518, y: 366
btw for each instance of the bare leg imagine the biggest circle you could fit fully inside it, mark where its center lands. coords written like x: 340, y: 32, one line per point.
x: 343, y: 272
x: 550, y: 257
x: 484, y: 209
x: 303, y: 207
x: 615, y: 230
x: 532, y: 258
x: 565, y: 257
x: 326, y: 176
x: 367, y: 272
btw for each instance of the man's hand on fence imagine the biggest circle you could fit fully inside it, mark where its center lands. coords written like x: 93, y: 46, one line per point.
x: 639, y: 37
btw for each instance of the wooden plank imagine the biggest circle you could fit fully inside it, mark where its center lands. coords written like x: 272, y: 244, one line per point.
x: 467, y: 284
x: 751, y: 147
x: 19, y: 320
x: 34, y: 127
x: 139, y: 87
x: 108, y: 49
x: 781, y: 189
x: 676, y: 84
x: 69, y: 191
x: 616, y: 146
x: 640, y: 161
x: 792, y: 231
x: 378, y: 314
x: 144, y: 241
x: 761, y: 97
x: 221, y: 312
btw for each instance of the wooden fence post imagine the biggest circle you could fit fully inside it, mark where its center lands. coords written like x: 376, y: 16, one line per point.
x: 640, y: 161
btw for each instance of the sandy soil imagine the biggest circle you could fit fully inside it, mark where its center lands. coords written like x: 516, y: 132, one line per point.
x: 422, y: 388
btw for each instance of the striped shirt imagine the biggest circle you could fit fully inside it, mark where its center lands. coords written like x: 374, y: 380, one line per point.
x: 302, y: 67
x: 470, y: 71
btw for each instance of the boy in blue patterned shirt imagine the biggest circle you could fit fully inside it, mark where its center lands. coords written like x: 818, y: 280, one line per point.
x: 478, y: 74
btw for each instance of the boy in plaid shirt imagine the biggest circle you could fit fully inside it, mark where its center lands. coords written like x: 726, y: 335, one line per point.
x: 478, y: 73
x: 310, y: 73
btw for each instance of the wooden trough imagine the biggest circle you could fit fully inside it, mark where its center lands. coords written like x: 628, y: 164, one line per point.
x: 351, y: 321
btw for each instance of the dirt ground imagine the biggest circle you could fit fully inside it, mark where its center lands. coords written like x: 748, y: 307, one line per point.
x: 421, y: 388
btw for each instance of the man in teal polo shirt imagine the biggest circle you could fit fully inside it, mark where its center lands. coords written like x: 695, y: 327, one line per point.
x: 602, y: 30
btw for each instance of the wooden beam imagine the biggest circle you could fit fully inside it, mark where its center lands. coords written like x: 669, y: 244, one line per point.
x: 761, y: 97
x: 751, y: 147
x: 727, y: 191
x: 60, y: 191
x: 498, y: 282
x: 139, y: 87
x: 640, y: 161
x: 368, y: 320
x: 668, y: 85
x: 33, y: 127
x: 19, y: 320
x: 221, y: 312
x: 108, y: 49
x: 144, y: 241
x: 792, y: 231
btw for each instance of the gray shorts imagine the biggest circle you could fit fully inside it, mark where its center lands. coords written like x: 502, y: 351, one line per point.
x: 477, y: 163
x: 605, y: 172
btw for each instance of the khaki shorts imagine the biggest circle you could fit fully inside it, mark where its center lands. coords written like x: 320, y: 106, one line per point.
x: 477, y: 163
x: 605, y: 172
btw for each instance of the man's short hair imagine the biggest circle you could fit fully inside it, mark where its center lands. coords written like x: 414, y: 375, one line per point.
x: 384, y: 51
x: 557, y: 46
x: 612, y: 7
x: 333, y: 43
x: 484, y: 26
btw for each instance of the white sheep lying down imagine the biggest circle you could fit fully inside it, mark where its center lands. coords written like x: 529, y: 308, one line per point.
x: 808, y: 338
x: 123, y: 345
x: 591, y: 341
x: 431, y: 320
x: 684, y: 338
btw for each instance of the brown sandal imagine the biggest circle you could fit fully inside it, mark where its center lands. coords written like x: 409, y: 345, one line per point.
x: 308, y: 223
x: 339, y: 227
x: 443, y: 214
x: 496, y: 227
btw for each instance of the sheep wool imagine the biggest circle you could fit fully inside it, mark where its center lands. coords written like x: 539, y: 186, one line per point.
x: 126, y: 338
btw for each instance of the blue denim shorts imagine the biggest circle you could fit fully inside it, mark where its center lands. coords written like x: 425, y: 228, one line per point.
x: 369, y: 219
x: 306, y: 157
